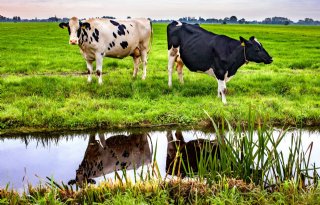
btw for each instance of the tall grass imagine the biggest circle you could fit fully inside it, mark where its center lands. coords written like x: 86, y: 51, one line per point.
x: 251, y: 155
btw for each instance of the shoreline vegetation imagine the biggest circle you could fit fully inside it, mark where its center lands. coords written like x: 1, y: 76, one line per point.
x: 230, y: 170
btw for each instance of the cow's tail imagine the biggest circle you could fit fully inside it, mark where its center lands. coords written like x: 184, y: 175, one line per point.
x: 151, y: 37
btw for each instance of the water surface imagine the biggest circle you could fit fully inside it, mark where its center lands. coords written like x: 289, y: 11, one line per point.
x: 32, y: 158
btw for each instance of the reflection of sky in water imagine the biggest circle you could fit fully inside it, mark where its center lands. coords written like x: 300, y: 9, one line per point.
x: 60, y: 160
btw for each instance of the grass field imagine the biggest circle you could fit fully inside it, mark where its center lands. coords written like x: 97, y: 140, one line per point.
x: 42, y: 83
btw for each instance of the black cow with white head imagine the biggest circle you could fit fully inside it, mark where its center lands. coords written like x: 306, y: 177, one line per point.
x: 217, y: 55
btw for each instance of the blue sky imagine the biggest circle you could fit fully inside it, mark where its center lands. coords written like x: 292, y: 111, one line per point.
x: 162, y: 9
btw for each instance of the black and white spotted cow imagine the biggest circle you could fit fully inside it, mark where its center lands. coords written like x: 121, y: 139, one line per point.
x: 216, y: 55
x: 115, y: 153
x: 98, y: 38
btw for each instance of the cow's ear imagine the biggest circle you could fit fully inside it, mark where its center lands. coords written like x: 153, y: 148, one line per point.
x: 252, y: 38
x: 63, y: 25
x: 85, y: 25
x: 244, y: 42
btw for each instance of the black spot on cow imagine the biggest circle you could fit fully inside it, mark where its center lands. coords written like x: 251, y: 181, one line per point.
x: 128, y: 31
x: 98, y: 74
x: 110, y: 44
x: 84, y: 32
x: 131, y: 25
x: 124, y: 44
x: 95, y: 35
x: 114, y: 35
x: 114, y: 23
x: 91, y: 38
x: 78, y: 32
x: 108, y: 49
x: 123, y: 165
x: 113, y: 43
x: 103, y: 55
x: 85, y: 25
x: 117, y: 162
x: 121, y: 29
x: 96, y: 31
x: 125, y: 154
x: 84, y: 36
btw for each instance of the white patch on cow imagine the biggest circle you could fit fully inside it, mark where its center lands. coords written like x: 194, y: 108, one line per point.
x: 172, y: 56
x: 256, y: 40
x: 210, y: 72
x: 221, y: 90
x: 179, y: 23
x: 90, y: 69
x: 144, y: 58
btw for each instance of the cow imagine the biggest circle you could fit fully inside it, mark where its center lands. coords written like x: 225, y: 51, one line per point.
x: 115, y: 153
x: 216, y: 55
x: 189, y: 153
x: 98, y: 38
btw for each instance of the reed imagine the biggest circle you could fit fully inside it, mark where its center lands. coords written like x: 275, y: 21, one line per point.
x: 251, y: 154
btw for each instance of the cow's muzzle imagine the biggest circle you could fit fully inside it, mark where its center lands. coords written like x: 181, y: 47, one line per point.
x: 73, y: 41
x: 268, y: 61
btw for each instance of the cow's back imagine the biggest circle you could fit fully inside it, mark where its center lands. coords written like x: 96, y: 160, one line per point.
x: 118, y: 38
x: 194, y: 43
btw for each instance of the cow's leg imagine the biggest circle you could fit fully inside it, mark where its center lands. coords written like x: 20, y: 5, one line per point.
x: 144, y: 59
x: 136, y: 63
x: 99, y: 62
x: 172, y: 55
x: 179, y: 69
x: 222, y: 90
x: 222, y: 86
x: 90, y: 68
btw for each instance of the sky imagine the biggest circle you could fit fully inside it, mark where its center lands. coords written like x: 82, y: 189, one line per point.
x: 162, y: 9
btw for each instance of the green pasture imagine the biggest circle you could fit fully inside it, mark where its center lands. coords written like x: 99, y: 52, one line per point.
x: 43, y: 82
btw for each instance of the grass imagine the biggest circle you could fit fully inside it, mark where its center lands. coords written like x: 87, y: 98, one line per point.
x: 42, y: 86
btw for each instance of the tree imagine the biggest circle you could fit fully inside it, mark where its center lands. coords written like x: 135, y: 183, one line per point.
x: 233, y: 19
x: 242, y: 21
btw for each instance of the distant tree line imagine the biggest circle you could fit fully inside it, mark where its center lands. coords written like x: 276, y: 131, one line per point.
x: 200, y: 20
x: 235, y: 20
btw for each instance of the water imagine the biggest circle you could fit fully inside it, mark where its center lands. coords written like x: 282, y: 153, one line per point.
x: 32, y: 158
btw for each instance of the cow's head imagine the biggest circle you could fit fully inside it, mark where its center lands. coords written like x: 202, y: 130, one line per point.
x: 74, y: 28
x: 254, y: 51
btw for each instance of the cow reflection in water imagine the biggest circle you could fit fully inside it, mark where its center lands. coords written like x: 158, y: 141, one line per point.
x: 115, y: 153
x: 190, y: 153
